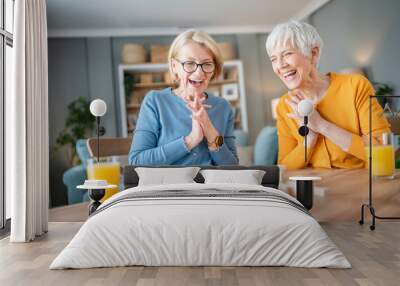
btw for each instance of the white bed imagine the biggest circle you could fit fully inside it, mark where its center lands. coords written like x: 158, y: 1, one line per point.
x: 249, y: 225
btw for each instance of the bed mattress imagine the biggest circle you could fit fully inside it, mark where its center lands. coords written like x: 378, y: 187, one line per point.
x: 201, y: 225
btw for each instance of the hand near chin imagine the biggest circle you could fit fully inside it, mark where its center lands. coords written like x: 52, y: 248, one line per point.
x: 315, y: 121
x: 198, y: 110
x: 312, y: 133
x: 200, y: 114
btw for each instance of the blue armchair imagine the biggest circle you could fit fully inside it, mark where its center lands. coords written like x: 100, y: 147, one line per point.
x: 266, y: 146
x: 77, y: 175
x: 264, y: 151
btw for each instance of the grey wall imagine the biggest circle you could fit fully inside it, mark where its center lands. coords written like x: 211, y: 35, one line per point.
x: 248, y: 53
x: 271, y: 86
x: 68, y: 79
x: 361, y: 33
x: 101, y: 84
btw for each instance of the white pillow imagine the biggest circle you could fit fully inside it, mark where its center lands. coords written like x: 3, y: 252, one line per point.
x: 249, y: 177
x: 165, y: 176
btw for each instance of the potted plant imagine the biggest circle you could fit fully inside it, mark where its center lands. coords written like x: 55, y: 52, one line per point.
x: 382, y: 89
x: 78, y: 124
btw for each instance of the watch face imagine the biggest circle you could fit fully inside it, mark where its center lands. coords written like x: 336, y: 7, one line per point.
x: 219, y: 141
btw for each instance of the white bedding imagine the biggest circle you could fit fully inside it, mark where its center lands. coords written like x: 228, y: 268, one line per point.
x: 183, y: 231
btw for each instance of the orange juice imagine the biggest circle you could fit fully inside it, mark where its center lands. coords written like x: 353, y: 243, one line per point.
x: 382, y: 160
x: 105, y: 171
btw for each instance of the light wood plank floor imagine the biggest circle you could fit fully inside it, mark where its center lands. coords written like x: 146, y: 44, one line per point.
x: 375, y: 257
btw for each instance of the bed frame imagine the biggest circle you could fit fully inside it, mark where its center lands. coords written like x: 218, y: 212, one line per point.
x: 270, y: 179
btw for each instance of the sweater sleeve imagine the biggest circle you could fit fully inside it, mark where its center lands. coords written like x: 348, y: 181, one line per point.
x: 227, y: 154
x: 291, y: 150
x: 363, y: 91
x: 144, y: 149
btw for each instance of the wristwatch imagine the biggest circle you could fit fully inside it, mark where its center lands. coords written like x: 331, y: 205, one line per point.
x: 218, y: 141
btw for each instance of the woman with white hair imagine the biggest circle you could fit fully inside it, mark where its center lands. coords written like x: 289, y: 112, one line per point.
x: 341, y: 103
x: 186, y: 125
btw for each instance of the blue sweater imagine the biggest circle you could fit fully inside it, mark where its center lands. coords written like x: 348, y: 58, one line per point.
x: 164, y: 121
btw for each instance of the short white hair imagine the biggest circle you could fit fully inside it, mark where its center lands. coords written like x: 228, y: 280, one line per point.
x: 299, y: 35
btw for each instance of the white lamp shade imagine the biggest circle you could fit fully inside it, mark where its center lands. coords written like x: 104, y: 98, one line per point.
x: 98, y: 107
x: 305, y: 107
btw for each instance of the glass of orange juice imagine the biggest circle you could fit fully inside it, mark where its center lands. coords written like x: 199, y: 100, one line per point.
x: 383, y: 162
x: 106, y: 169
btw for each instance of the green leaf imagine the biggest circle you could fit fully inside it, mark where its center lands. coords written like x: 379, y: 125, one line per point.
x: 383, y: 88
x: 78, y: 123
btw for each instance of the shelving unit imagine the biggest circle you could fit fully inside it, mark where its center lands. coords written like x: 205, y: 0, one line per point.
x: 157, y: 73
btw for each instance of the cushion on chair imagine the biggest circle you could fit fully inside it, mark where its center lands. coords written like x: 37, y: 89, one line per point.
x: 76, y: 175
x: 266, y: 146
x: 73, y: 177
x: 241, y: 137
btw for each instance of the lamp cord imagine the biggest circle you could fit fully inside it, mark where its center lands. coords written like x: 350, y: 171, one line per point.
x: 98, y: 139
x: 305, y: 148
x: 305, y: 138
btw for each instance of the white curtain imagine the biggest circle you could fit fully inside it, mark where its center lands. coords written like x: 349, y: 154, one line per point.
x: 27, y: 143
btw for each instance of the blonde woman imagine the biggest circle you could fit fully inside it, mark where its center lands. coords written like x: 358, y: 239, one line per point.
x: 340, y: 118
x: 186, y: 125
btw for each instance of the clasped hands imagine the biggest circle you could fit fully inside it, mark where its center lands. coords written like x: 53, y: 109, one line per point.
x: 316, y: 123
x: 202, y: 126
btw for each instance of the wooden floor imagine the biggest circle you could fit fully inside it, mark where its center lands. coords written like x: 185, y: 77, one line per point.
x: 375, y: 257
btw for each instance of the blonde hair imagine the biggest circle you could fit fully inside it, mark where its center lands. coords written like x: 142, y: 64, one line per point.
x: 300, y: 35
x: 201, y: 38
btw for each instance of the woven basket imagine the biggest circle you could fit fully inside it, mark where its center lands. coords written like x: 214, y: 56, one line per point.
x: 168, y: 78
x: 159, y: 53
x: 133, y: 54
x: 227, y: 51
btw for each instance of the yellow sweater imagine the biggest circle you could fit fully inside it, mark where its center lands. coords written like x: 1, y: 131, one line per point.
x: 346, y: 104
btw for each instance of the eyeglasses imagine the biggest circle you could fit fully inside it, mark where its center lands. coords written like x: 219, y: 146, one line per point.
x: 190, y: 66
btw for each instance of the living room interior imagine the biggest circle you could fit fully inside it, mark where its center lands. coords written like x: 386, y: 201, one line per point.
x: 84, y: 62
x: 117, y: 51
